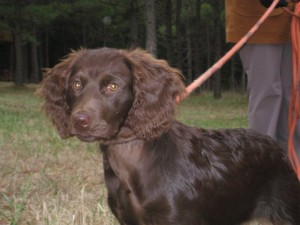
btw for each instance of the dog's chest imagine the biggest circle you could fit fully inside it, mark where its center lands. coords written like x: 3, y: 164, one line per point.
x: 122, y: 175
x: 124, y: 159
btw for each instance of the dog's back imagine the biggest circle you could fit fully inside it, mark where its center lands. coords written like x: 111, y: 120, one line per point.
x: 243, y: 171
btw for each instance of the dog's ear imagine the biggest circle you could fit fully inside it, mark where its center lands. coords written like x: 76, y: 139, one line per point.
x: 53, y: 91
x: 156, y: 87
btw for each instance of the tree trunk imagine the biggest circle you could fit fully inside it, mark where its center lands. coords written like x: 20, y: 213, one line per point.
x: 11, y: 62
x: 46, y: 52
x: 207, y: 85
x: 151, y: 27
x: 232, y: 85
x: 189, y: 51
x: 197, y: 50
x: 83, y: 34
x: 25, y: 66
x: 134, y: 28
x: 169, y: 35
x: 34, y: 61
x: 217, y: 77
x: 178, y: 34
x: 208, y: 61
x: 18, y: 76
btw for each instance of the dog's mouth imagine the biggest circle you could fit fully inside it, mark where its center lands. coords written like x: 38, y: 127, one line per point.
x: 86, y: 138
x: 119, y: 137
x: 92, y: 135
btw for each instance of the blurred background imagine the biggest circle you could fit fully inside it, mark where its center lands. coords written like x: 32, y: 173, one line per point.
x: 189, y: 34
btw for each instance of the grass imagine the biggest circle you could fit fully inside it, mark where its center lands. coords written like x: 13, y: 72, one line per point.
x: 48, y: 181
x: 203, y: 110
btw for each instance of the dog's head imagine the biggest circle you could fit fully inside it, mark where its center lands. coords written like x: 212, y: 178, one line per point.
x: 93, y: 94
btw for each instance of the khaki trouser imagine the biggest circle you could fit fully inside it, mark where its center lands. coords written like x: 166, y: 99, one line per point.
x: 269, y: 73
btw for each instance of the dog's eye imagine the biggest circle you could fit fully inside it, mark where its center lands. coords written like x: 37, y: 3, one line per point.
x: 112, y: 87
x: 76, y: 85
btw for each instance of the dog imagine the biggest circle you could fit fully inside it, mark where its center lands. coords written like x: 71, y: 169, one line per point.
x: 157, y: 170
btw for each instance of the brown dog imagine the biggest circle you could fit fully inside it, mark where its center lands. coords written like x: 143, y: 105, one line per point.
x: 157, y: 170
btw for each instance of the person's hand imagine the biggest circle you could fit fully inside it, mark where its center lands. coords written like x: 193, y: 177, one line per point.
x: 267, y: 3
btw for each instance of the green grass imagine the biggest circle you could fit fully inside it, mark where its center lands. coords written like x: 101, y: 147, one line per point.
x: 18, y: 206
x: 205, y: 111
x: 48, y: 181
x: 43, y: 179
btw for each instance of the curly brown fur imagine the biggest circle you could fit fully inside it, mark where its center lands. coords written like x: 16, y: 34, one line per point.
x: 156, y: 86
x: 154, y: 81
x: 159, y: 171
x: 53, y: 90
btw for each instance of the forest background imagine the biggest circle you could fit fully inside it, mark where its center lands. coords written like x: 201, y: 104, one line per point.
x: 189, y: 34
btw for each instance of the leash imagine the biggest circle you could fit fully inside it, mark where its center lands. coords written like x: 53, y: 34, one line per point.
x: 294, y: 110
x: 218, y: 65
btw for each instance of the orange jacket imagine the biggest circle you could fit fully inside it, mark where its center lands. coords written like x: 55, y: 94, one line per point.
x: 241, y: 15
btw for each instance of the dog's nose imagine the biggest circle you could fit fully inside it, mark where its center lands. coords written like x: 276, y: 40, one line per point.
x: 81, y: 121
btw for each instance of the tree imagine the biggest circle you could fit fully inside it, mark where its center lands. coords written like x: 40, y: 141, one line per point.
x: 197, y: 38
x: 151, y: 44
x: 169, y: 34
x: 17, y: 31
x: 178, y: 34
x: 217, y: 88
x: 134, y: 21
x: 23, y: 18
x: 36, y: 17
x: 207, y: 18
x: 189, y: 32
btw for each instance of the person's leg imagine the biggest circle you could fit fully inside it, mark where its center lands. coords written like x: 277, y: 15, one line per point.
x: 262, y: 66
x: 286, y: 76
x: 286, y: 71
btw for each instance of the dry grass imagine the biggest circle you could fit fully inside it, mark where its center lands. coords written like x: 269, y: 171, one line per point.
x: 65, y: 188
x: 48, y: 181
x: 43, y: 179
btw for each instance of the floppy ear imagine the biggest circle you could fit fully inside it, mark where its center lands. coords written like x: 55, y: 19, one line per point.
x: 156, y: 86
x: 53, y: 91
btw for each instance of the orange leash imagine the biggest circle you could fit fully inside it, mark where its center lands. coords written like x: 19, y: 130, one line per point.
x: 294, y: 111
